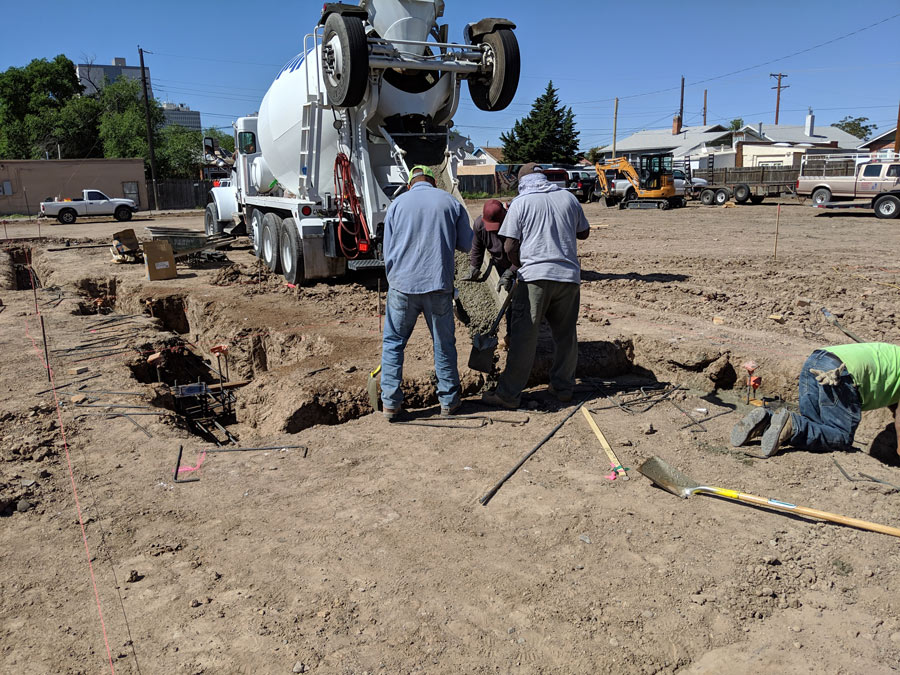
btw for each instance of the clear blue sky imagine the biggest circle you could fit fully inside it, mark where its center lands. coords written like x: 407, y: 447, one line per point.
x: 219, y: 57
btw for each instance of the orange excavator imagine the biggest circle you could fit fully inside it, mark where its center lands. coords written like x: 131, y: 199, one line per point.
x: 651, y: 186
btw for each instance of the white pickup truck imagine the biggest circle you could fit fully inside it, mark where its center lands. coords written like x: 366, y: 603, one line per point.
x: 92, y: 203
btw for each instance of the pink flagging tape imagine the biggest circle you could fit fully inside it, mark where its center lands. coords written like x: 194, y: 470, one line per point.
x: 183, y: 469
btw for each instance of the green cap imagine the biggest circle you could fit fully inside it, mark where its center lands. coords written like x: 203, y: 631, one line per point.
x: 420, y: 170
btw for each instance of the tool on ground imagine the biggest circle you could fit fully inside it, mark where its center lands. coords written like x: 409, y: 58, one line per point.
x: 672, y: 480
x: 832, y: 319
x: 489, y: 495
x: 618, y: 469
x: 481, y: 358
x: 693, y: 422
x: 67, y: 384
x: 753, y: 381
x: 864, y: 477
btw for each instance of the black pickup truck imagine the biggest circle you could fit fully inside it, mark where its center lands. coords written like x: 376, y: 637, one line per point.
x: 580, y: 182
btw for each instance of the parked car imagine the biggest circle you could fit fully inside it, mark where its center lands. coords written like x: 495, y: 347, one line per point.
x: 92, y: 203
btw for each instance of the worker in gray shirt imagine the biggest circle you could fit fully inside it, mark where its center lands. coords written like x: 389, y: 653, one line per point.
x: 541, y: 229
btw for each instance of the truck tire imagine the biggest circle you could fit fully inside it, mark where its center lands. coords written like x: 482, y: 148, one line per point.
x: 496, y: 91
x: 707, y: 197
x: 345, y: 60
x: 270, y: 235
x: 741, y: 193
x: 291, y: 252
x: 122, y: 214
x: 887, y: 207
x: 255, y: 231
x: 211, y: 220
x: 721, y: 196
x: 67, y: 216
x: 630, y: 195
x: 821, y: 196
x: 756, y: 200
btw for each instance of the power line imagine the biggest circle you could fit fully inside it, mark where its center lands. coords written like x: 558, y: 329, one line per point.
x: 758, y: 65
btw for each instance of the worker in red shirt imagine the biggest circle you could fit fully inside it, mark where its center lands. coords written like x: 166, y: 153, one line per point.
x: 487, y: 239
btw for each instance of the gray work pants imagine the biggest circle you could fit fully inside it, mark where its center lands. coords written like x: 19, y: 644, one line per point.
x: 533, y: 301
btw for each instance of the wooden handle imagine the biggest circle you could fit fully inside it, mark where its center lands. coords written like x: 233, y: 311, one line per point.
x: 806, y: 511
x: 617, y: 465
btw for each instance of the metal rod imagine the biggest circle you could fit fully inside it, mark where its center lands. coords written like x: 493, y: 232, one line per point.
x: 490, y: 493
x: 46, y: 352
x: 272, y: 447
x: 381, y: 63
x: 68, y: 384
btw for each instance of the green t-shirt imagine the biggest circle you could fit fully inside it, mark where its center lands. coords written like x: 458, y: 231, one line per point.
x: 875, y: 368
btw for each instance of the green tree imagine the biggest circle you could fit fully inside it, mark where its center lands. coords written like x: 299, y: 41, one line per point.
x: 123, y: 126
x: 32, y: 99
x: 736, y: 124
x: 180, y: 152
x: 593, y: 155
x: 546, y: 135
x: 856, y: 126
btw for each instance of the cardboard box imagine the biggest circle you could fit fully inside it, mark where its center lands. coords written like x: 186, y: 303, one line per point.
x: 126, y: 241
x: 159, y: 260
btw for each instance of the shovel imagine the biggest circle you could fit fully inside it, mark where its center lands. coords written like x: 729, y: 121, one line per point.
x: 672, y: 480
x: 481, y: 358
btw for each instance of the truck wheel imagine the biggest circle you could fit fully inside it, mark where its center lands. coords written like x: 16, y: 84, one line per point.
x: 345, y: 60
x: 291, y: 252
x: 496, y: 91
x: 256, y: 230
x: 756, y: 200
x: 721, y: 196
x: 211, y: 220
x: 630, y: 195
x: 707, y: 197
x: 271, y: 230
x: 67, y: 216
x: 821, y: 196
x: 887, y: 207
x: 122, y: 214
x: 741, y: 193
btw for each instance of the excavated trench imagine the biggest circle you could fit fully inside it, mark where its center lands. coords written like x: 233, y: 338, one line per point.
x: 290, y: 380
x: 15, y: 272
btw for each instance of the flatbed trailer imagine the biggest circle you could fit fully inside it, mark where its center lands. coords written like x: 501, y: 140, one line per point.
x: 746, y: 184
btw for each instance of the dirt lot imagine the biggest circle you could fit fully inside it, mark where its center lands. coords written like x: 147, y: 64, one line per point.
x: 369, y: 552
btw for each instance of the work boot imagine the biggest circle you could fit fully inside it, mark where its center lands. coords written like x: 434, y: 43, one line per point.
x: 561, y: 396
x: 779, y: 433
x: 392, y: 414
x: 751, y: 427
x: 452, y: 410
x: 494, y: 399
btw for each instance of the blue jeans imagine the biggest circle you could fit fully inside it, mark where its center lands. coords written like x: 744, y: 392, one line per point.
x: 828, y: 415
x: 400, y: 318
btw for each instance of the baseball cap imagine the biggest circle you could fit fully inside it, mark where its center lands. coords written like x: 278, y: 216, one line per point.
x: 420, y: 170
x: 492, y: 215
x: 530, y: 168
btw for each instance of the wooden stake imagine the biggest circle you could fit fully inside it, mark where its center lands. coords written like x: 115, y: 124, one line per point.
x: 616, y: 464
x: 777, y: 221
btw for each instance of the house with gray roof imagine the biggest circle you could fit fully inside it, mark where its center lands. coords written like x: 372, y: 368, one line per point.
x: 680, y: 141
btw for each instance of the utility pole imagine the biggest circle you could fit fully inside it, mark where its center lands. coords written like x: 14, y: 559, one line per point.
x: 704, y: 107
x: 897, y: 133
x: 681, y: 105
x: 615, y: 123
x: 149, y: 131
x: 779, y: 87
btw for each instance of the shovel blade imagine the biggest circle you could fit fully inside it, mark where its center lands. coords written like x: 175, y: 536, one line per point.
x: 668, y: 477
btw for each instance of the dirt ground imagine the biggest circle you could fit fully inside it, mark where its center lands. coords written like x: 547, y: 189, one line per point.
x: 368, y: 551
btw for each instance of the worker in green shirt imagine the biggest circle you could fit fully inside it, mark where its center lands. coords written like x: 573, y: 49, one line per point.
x: 836, y: 385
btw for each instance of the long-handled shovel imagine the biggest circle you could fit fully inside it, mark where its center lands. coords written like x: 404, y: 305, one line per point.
x: 672, y: 480
x: 481, y: 358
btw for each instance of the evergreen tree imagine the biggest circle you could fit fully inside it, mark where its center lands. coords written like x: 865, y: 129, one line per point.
x: 546, y: 135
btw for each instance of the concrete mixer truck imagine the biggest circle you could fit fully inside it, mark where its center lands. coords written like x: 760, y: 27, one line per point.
x: 372, y: 94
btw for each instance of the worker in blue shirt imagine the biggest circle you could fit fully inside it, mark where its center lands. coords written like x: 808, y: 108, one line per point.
x: 422, y: 229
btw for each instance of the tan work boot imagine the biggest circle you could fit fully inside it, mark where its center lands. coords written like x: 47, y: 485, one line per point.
x: 779, y: 433
x: 751, y: 427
